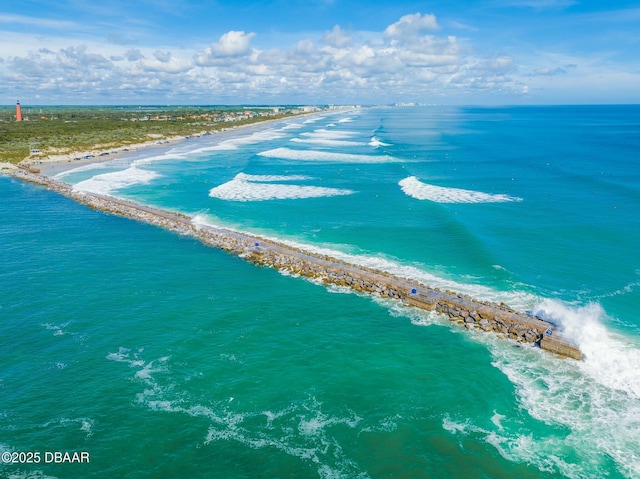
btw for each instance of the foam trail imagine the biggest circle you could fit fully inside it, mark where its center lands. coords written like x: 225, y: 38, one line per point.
x: 302, y: 431
x: 261, y: 188
x: 89, y: 167
x: 377, y: 143
x: 326, y: 142
x: 323, y: 133
x: 168, y: 156
x: 413, y: 187
x: 268, y: 178
x: 593, y: 405
x: 329, y: 138
x: 105, y: 184
x: 610, y: 360
x: 292, y: 126
x: 597, y: 400
x: 324, y: 156
x: 237, y: 143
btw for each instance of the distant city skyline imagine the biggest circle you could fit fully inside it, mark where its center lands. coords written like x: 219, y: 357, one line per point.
x: 483, y: 52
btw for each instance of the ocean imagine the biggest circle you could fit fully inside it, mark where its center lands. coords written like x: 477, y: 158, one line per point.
x: 151, y: 355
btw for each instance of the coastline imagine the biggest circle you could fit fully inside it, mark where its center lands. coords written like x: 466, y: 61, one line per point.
x: 462, y: 309
x: 55, y: 163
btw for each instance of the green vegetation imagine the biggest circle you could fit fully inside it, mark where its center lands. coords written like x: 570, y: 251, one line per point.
x: 58, y: 130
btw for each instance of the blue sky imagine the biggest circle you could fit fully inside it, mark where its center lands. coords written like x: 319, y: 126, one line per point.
x: 319, y: 51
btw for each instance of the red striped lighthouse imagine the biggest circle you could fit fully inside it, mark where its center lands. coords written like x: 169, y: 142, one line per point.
x: 18, y: 112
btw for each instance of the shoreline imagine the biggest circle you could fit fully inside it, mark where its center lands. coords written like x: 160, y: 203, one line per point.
x: 55, y: 163
x: 462, y: 309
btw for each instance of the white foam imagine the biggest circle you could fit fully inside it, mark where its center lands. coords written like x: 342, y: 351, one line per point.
x: 87, y: 427
x: 597, y: 400
x: 106, y: 183
x: 610, y: 359
x: 326, y: 142
x: 262, y: 188
x: 424, y: 191
x: 303, y: 431
x: 240, y: 141
x: 325, y: 134
x: 377, y: 143
x: 324, y: 156
x: 270, y: 178
x: 58, y: 330
x: 329, y: 138
x: 516, y: 299
x: 30, y: 474
x: 168, y: 156
x: 88, y: 167
x: 292, y: 126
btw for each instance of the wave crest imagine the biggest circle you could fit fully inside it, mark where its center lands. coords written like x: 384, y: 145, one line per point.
x: 413, y: 187
x: 245, y: 187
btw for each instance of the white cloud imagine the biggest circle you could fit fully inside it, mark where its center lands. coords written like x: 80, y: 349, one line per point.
x: 161, y: 56
x: 166, y: 64
x: 231, y: 44
x: 78, y: 57
x: 337, y: 38
x: 412, y: 25
x: 133, y: 55
x: 407, y: 61
x: 37, y: 22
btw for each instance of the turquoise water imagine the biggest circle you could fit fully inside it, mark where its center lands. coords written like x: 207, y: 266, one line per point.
x: 163, y: 358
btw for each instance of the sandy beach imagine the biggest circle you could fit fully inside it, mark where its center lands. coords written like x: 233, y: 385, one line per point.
x: 53, y: 164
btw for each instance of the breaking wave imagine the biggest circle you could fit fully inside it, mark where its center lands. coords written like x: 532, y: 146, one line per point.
x: 106, y: 183
x: 413, y: 187
x: 377, y: 143
x: 324, y: 156
x: 245, y: 187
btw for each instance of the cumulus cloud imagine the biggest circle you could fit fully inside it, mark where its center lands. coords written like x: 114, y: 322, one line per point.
x: 337, y: 38
x: 165, y: 63
x: 163, y: 57
x: 411, y: 26
x: 78, y: 57
x: 133, y: 55
x: 407, y: 60
x: 231, y: 44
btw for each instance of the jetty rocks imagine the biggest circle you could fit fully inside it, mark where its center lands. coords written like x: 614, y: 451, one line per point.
x: 463, y: 309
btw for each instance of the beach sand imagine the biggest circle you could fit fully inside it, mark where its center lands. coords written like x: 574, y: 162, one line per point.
x: 53, y: 164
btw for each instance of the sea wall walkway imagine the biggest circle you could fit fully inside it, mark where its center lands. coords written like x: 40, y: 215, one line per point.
x: 463, y: 309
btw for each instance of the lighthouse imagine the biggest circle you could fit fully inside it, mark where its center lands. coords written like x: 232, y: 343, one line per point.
x: 18, y: 112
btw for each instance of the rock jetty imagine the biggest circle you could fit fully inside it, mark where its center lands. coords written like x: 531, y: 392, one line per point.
x: 462, y: 309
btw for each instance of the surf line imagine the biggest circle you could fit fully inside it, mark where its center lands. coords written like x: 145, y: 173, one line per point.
x: 463, y: 309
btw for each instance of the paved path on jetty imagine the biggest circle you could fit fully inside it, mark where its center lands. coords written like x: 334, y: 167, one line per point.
x: 471, y: 313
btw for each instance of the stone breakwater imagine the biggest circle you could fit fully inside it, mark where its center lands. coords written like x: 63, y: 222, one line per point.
x: 462, y: 309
